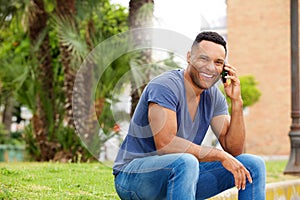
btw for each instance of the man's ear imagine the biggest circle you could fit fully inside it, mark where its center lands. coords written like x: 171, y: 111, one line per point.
x: 188, y: 57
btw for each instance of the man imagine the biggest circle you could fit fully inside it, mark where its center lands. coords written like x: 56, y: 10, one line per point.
x: 162, y: 156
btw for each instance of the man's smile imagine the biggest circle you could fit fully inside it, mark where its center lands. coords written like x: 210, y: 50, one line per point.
x: 206, y: 75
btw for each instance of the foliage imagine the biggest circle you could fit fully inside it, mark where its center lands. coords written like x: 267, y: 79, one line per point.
x: 19, y: 64
x: 31, y: 143
x: 3, y: 135
x: 250, y: 92
x: 13, y: 138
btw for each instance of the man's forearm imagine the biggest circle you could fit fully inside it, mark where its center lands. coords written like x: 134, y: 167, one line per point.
x: 202, y: 153
x: 235, y: 137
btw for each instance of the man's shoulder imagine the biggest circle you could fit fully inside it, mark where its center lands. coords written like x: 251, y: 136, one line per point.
x: 166, y: 89
x: 169, y: 78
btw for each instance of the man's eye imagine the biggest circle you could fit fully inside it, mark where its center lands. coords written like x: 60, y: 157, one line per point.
x: 204, y: 59
x: 219, y: 63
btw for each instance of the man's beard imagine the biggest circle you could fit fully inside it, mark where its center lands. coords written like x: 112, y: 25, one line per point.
x: 204, y: 85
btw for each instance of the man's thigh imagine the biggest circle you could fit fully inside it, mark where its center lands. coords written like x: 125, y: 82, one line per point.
x: 148, y: 178
x: 145, y: 178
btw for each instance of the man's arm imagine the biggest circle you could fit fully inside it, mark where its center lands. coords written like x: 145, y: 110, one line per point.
x: 164, y: 128
x: 235, y: 138
x: 231, y: 130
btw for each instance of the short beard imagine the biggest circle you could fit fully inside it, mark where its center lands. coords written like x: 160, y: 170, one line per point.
x: 197, y: 82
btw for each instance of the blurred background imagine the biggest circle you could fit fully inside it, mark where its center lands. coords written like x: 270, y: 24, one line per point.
x: 44, y: 42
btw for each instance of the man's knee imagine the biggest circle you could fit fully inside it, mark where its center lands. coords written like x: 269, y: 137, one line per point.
x: 255, y: 164
x: 188, y: 161
x: 186, y: 164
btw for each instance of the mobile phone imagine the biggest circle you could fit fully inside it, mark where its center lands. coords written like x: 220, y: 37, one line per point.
x: 224, y: 73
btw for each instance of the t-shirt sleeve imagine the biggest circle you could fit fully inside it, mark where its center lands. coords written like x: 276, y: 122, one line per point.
x: 219, y: 102
x: 162, y: 95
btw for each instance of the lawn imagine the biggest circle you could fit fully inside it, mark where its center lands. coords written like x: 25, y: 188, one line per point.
x: 76, y: 180
x: 56, y: 181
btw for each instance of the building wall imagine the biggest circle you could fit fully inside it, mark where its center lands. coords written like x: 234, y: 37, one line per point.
x: 259, y: 44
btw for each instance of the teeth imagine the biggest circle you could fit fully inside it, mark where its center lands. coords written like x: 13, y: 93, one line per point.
x: 207, y: 75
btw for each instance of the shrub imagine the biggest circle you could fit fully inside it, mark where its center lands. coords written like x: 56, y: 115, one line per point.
x: 250, y: 92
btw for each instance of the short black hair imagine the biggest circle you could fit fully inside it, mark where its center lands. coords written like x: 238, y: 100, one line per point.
x: 212, y: 37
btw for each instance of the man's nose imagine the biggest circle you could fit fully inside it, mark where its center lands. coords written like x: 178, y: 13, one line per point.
x: 212, y: 66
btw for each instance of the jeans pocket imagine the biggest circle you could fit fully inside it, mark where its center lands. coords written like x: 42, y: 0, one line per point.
x: 125, y: 194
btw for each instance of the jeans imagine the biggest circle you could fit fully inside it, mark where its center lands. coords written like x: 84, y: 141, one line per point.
x: 182, y: 176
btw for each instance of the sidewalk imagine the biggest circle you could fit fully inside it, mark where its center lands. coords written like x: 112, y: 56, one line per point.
x: 274, y: 157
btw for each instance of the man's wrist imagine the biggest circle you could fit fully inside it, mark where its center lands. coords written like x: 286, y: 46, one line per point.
x: 237, y: 103
x: 211, y: 154
x: 221, y: 155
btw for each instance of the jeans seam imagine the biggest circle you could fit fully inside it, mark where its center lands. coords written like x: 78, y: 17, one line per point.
x: 172, y: 188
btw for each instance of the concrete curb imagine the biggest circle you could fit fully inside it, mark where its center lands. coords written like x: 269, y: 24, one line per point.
x: 285, y: 190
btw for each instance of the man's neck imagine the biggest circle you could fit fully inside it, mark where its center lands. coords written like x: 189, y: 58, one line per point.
x: 192, y: 91
x: 192, y: 95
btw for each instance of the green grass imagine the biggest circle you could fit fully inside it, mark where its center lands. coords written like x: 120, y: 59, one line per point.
x: 275, y: 171
x: 76, y: 180
x: 56, y: 181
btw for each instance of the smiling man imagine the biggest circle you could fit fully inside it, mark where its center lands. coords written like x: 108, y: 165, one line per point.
x: 162, y: 156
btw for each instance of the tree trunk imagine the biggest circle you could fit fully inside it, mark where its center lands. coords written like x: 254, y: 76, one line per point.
x: 83, y: 99
x: 66, y: 11
x: 45, y: 95
x: 135, y: 8
x: 134, y: 11
x: 7, y: 114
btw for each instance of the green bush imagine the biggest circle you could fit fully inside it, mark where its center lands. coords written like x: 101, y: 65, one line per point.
x: 250, y: 92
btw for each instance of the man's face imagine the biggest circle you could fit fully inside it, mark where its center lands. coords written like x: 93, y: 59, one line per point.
x: 206, y: 63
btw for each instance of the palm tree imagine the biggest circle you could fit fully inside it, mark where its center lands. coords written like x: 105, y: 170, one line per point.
x: 76, y: 47
x: 65, y: 11
x: 47, y: 69
x: 140, y: 15
x: 38, y: 34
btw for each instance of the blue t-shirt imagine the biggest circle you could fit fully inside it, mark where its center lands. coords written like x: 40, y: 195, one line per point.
x: 168, y: 91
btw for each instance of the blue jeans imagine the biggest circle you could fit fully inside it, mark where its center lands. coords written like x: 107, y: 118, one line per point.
x: 181, y: 176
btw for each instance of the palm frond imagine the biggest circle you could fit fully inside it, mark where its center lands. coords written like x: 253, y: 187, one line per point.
x: 69, y: 36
